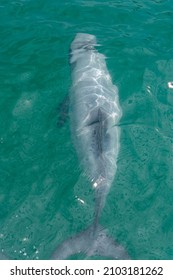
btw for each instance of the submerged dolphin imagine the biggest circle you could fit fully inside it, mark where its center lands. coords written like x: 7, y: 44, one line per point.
x: 94, y: 114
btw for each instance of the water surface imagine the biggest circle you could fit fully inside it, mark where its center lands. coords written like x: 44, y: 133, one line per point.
x: 42, y: 188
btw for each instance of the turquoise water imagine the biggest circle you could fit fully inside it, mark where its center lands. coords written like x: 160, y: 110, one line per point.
x: 40, y: 177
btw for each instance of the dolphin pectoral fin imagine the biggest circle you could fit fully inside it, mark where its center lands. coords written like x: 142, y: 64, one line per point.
x: 63, y: 109
x: 93, y: 241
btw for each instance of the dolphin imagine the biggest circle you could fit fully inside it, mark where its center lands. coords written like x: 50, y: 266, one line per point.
x: 94, y: 115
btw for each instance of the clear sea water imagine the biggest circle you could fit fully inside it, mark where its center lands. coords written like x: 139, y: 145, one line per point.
x: 41, y: 186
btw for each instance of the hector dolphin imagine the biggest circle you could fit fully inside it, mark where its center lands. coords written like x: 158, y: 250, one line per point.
x: 94, y: 114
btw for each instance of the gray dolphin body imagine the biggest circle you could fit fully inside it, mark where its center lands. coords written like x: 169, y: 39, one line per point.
x: 94, y: 114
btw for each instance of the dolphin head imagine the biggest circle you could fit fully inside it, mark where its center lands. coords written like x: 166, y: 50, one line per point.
x: 82, y: 42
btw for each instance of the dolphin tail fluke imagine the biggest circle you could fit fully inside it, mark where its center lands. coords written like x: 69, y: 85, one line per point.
x: 3, y: 257
x: 91, y: 242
